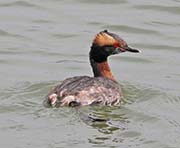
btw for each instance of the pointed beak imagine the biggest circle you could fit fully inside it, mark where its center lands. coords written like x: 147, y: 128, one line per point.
x: 124, y: 49
x: 132, y: 50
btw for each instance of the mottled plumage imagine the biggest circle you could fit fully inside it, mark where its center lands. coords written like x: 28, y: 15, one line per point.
x: 84, y: 90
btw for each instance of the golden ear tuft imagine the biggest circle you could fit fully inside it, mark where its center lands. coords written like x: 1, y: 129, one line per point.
x: 103, y: 38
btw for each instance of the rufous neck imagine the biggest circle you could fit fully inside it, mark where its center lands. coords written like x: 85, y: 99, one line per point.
x: 101, y: 69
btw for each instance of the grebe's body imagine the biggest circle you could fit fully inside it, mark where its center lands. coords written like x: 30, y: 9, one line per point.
x: 100, y: 89
x: 84, y: 90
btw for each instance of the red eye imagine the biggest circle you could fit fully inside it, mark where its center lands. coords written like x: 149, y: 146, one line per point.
x: 116, y: 44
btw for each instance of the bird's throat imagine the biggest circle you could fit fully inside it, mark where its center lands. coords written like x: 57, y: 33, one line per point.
x: 102, y: 69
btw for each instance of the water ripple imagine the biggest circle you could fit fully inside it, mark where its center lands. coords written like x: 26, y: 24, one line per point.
x: 169, y: 9
x: 19, y: 3
x: 157, y: 46
x: 135, y: 93
x: 73, y: 61
x: 64, y: 35
x: 103, y: 1
x: 7, y: 34
x: 160, y: 23
x: 133, y: 59
x: 131, y: 29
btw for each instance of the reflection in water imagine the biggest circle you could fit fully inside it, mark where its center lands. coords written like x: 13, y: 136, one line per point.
x: 102, y: 118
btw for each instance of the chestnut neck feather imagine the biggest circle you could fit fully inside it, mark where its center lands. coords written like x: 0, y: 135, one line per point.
x: 101, y: 69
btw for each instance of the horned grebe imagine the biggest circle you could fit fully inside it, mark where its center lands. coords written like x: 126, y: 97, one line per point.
x: 100, y: 89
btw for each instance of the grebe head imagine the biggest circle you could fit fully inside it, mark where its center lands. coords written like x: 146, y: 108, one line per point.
x: 105, y: 44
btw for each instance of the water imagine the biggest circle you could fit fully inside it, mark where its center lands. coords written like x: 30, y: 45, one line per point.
x: 43, y: 42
